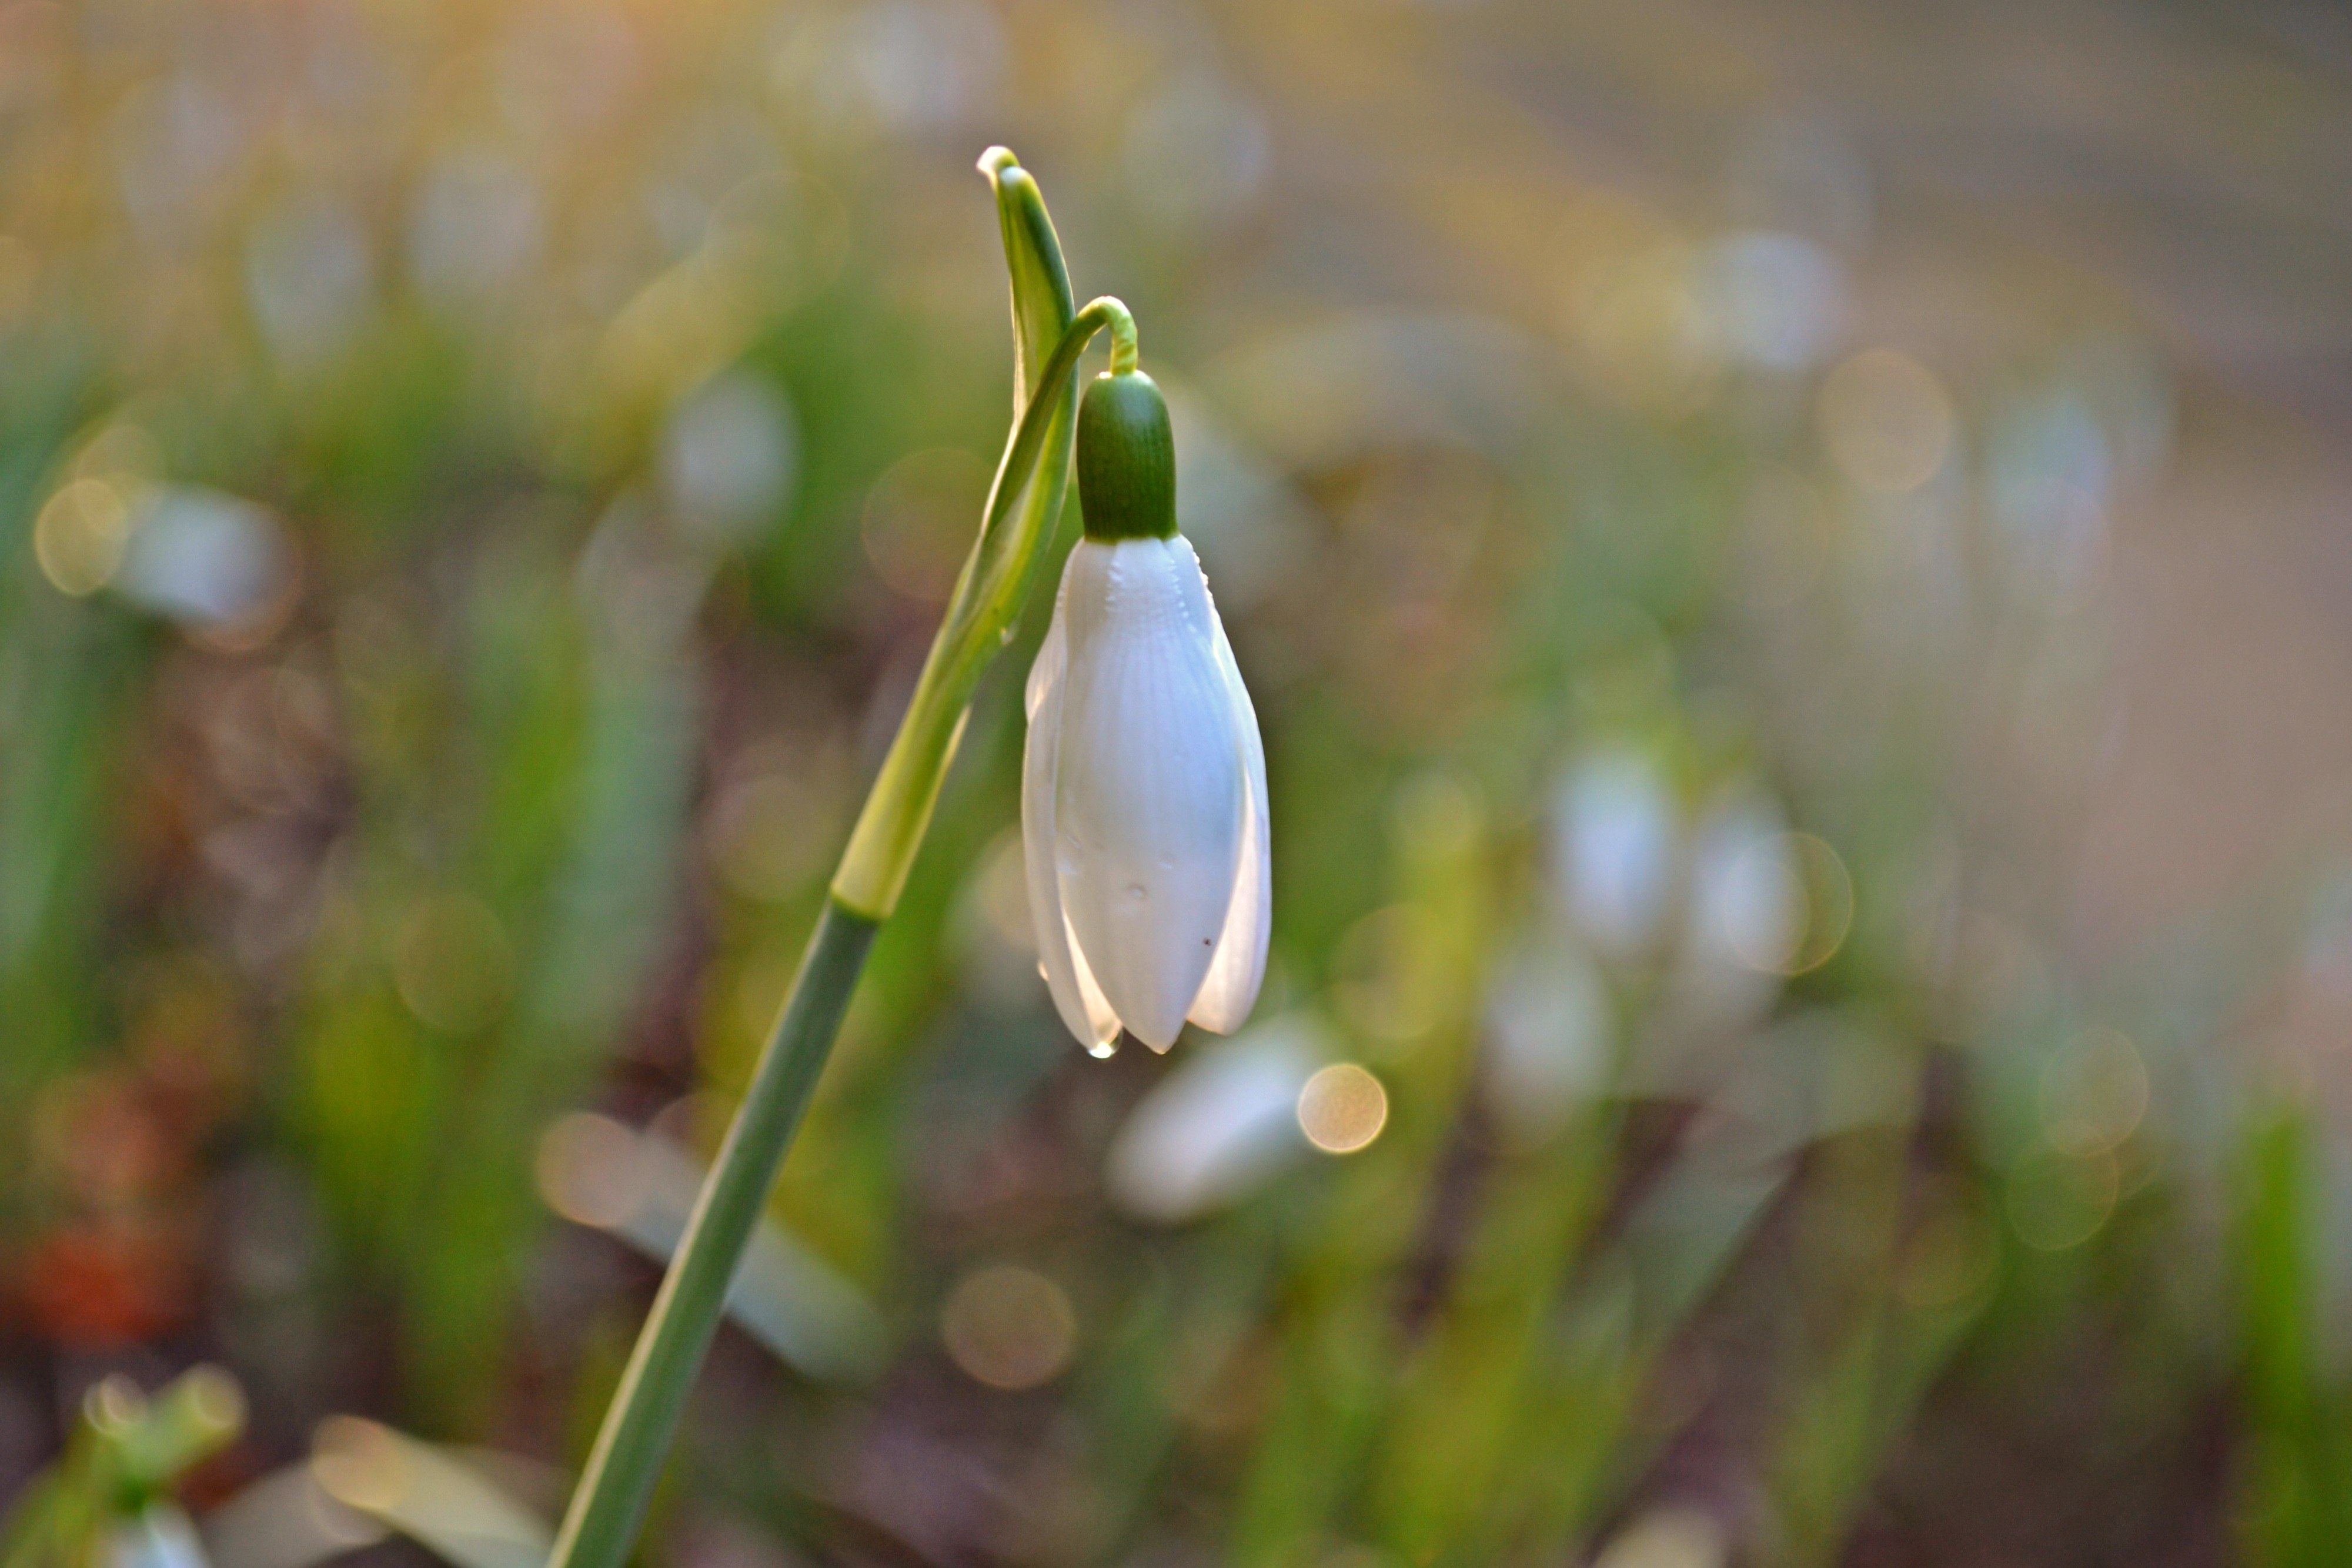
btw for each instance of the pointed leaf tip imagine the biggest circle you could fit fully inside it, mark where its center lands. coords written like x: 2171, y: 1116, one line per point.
x: 1043, y: 305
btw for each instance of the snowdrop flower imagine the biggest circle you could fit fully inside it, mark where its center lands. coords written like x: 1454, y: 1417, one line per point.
x: 1143, y: 807
x: 1218, y: 1127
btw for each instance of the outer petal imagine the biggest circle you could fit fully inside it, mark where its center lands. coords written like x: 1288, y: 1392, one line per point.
x: 1239, y: 966
x: 1076, y: 996
x: 1149, y: 794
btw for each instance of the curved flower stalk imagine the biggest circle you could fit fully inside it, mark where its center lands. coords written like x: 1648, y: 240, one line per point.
x: 601, y: 1527
x: 1143, y: 802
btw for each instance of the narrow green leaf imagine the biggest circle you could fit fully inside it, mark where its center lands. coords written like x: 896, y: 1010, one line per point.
x: 1043, y: 303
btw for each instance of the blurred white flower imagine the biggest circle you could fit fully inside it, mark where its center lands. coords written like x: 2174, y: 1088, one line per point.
x: 1548, y: 1039
x: 729, y: 455
x: 1776, y: 299
x: 1614, y: 846
x: 474, y: 227
x: 1746, y: 890
x: 211, y: 561
x: 159, y: 1536
x: 309, y: 277
x: 1668, y: 1538
x: 2050, y: 479
x: 2123, y: 380
x: 1218, y: 1127
x: 1745, y: 913
x: 1143, y: 802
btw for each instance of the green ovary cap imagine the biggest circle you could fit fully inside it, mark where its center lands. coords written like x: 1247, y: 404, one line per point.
x: 1127, y: 460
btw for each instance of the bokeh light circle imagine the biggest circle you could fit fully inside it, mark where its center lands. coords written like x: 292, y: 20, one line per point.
x: 1009, y: 1327
x: 1887, y: 421
x: 1342, y: 1108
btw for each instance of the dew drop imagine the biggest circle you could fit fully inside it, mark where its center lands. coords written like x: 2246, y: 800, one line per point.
x: 1101, y: 1050
x: 1137, y: 891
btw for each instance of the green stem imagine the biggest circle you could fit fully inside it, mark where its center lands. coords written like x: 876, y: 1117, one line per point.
x: 1123, y: 350
x: 601, y: 1525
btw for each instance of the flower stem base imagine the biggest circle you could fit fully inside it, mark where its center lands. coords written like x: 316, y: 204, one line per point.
x: 610, y: 1502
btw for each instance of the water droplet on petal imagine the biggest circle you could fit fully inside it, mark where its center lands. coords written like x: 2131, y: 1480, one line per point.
x: 1102, y: 1050
x: 1137, y: 892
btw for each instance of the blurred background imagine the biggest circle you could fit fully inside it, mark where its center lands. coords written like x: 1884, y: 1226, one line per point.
x: 1791, y: 561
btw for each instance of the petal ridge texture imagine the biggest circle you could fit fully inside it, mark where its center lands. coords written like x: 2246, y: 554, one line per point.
x: 1143, y: 802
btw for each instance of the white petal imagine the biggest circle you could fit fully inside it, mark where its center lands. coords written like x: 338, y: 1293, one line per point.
x: 1090, y: 995
x: 1149, y: 793
x: 1076, y: 996
x: 1219, y: 1126
x: 1239, y: 966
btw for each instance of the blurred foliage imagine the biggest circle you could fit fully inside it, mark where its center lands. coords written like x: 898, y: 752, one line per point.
x: 115, y: 1478
x: 475, y: 485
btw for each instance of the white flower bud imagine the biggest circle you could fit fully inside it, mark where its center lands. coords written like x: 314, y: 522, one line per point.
x: 1143, y: 802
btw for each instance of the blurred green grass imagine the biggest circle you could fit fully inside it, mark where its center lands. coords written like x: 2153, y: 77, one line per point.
x: 474, y: 483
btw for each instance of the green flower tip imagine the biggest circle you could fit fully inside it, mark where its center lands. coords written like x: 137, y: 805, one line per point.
x: 1126, y: 459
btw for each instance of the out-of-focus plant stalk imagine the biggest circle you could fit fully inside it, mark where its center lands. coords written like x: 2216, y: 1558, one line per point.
x: 1026, y: 502
x: 122, y: 1460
